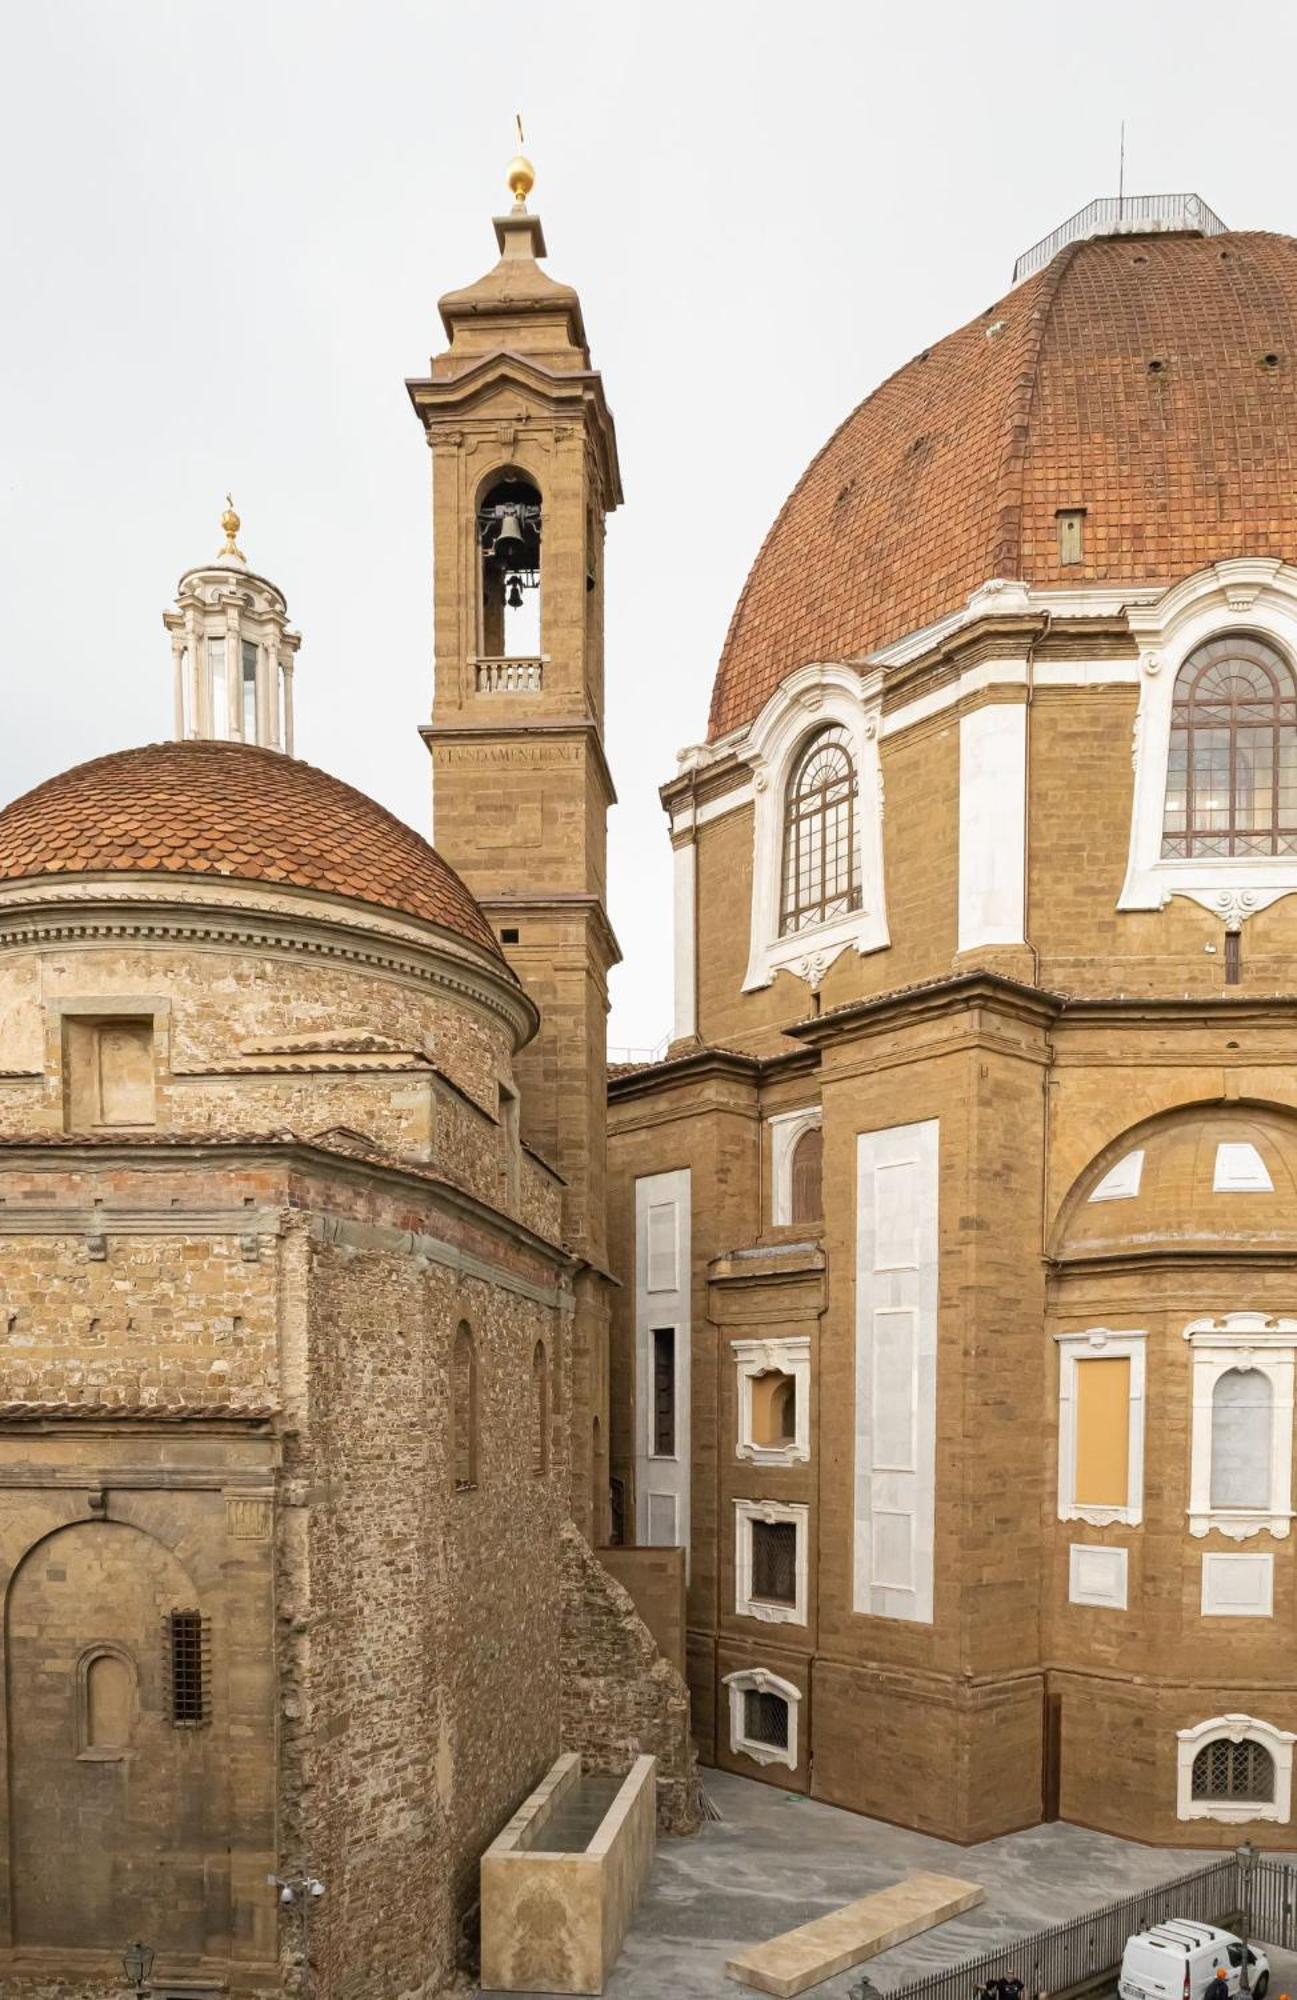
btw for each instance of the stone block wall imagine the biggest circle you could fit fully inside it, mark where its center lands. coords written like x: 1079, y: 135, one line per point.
x: 620, y: 1698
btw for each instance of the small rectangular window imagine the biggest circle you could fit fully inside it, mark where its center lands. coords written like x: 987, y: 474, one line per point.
x: 509, y: 935
x: 186, y: 1664
x: 664, y: 1392
x: 774, y: 1561
x: 219, y: 688
x: 108, y: 1073
x: 1071, y: 535
x: 249, y: 691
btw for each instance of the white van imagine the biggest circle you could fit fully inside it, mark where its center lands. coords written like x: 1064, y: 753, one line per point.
x: 1177, y: 1960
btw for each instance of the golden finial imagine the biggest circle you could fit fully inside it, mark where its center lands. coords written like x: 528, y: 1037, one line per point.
x: 230, y: 525
x: 522, y: 174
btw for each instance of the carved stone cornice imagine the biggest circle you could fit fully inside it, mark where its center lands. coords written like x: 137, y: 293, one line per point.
x: 71, y: 917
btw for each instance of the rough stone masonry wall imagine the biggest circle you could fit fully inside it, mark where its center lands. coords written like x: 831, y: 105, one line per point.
x: 621, y: 1699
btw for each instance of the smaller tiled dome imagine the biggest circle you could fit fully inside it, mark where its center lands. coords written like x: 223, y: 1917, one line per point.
x: 1206, y: 1177
x: 231, y: 811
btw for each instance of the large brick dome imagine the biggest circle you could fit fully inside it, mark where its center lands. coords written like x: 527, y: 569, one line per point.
x: 233, y: 811
x: 1151, y: 381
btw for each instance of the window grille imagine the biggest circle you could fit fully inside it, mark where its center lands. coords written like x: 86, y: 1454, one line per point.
x: 821, y: 876
x: 807, y: 1202
x: 765, y: 1718
x: 186, y: 1663
x: 664, y: 1391
x: 1226, y: 1770
x: 1231, y: 782
x: 774, y: 1561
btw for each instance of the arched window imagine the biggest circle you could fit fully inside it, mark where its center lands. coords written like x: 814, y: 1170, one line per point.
x: 821, y: 873
x: 1231, y: 782
x: 1242, y: 1772
x: 463, y: 1406
x: 807, y: 1191
x: 509, y: 535
x: 1242, y: 1417
x: 540, y: 1409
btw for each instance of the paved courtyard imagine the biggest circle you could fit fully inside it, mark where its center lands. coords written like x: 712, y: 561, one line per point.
x: 774, y: 1860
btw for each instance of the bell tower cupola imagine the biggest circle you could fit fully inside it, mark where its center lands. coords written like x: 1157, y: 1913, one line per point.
x: 524, y: 474
x: 232, y: 651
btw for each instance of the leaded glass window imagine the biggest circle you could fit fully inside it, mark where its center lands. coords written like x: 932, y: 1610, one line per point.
x: 1231, y: 782
x: 821, y: 877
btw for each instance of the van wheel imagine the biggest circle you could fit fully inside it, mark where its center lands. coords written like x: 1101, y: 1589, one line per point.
x: 1259, y: 1990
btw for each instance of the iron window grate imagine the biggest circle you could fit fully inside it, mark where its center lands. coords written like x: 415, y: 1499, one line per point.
x: 187, y: 1668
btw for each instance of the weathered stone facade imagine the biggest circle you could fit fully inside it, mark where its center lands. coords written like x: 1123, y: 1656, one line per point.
x: 1029, y: 983
x: 303, y: 1329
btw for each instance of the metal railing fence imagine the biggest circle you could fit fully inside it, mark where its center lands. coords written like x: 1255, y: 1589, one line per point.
x: 1115, y: 214
x: 1086, y: 1947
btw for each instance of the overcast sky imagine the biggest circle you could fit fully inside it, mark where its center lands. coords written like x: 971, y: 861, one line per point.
x: 225, y: 229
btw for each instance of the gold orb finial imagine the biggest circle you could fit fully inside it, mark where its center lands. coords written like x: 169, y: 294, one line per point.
x: 230, y: 525
x: 522, y: 174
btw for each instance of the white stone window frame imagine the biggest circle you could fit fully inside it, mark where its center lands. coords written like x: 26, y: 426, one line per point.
x: 1235, y: 1812
x: 786, y: 1129
x: 759, y: 1680
x: 1074, y: 1350
x: 791, y: 1356
x: 746, y: 1512
x: 1242, y: 1340
x: 1247, y: 594
x: 814, y: 698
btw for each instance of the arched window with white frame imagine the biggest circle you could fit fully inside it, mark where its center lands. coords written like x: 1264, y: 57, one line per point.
x: 821, y: 857
x: 1231, y: 782
x: 1234, y: 1768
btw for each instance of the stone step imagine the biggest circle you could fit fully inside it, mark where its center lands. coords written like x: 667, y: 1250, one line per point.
x: 790, y: 1963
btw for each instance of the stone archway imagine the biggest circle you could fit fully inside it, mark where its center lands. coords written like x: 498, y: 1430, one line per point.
x: 113, y: 1805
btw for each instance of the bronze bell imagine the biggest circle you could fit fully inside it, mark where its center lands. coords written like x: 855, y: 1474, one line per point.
x: 509, y: 547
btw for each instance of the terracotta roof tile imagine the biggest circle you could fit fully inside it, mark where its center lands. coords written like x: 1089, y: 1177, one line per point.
x: 233, y: 810
x: 954, y: 470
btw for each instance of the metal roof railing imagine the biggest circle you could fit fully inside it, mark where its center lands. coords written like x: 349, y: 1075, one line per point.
x: 1123, y: 215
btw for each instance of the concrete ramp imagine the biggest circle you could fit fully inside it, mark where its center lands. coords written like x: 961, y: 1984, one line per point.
x: 790, y: 1963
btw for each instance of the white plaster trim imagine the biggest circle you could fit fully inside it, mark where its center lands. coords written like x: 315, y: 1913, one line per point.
x: 662, y: 1479
x: 815, y: 698
x: 792, y: 1357
x: 1122, y: 1182
x: 1250, y: 594
x: 1074, y: 1349
x: 786, y: 1128
x: 1221, y: 1576
x: 759, y: 1680
x: 1242, y: 1340
x: 685, y: 910
x: 1239, y: 1729
x: 992, y: 824
x: 1240, y: 1169
x: 745, y: 1604
x: 1097, y: 1576
x: 897, y: 1307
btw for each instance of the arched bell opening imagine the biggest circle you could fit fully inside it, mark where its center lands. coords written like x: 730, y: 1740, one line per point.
x: 509, y: 543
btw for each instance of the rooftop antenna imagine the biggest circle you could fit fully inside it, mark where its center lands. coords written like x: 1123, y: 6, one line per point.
x: 1121, y: 174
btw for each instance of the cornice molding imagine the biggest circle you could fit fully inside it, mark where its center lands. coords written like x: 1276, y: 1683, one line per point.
x: 35, y: 925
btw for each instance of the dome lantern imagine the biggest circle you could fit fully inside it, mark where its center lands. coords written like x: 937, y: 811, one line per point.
x: 233, y: 650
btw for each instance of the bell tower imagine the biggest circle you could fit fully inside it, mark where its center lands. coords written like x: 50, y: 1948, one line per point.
x: 524, y: 472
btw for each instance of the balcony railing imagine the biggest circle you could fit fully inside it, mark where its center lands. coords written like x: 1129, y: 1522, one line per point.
x: 1123, y: 215
x: 510, y: 676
